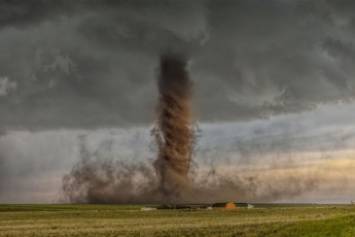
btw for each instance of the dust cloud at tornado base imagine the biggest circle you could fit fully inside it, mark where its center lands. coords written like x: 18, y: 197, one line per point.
x: 174, y: 177
x: 95, y: 179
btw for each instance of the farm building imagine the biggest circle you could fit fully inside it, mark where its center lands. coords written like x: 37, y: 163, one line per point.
x: 231, y: 205
x: 241, y: 205
x: 148, y: 208
x: 224, y: 205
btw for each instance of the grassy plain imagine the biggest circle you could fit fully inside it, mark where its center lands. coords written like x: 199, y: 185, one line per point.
x: 128, y: 220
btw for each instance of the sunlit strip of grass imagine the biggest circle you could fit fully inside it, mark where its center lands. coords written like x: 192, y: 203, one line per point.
x: 339, y: 226
x: 336, y: 227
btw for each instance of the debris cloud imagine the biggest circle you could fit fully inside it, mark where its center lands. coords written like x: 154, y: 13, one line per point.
x: 96, y: 179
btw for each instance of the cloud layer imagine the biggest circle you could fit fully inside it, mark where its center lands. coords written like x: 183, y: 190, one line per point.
x: 93, y: 64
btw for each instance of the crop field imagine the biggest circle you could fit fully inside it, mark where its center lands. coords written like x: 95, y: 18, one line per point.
x: 129, y: 220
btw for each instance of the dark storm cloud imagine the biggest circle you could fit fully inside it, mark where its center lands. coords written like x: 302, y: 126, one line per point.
x: 93, y: 63
x: 26, y: 13
x: 274, y: 58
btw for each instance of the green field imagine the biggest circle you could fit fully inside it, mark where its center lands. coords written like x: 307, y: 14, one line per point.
x: 128, y: 220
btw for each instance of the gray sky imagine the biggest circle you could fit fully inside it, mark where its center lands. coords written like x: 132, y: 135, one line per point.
x: 272, y: 79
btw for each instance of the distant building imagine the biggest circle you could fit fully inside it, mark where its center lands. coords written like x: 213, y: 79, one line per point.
x: 231, y: 205
x: 224, y: 205
x: 241, y: 205
x: 148, y: 208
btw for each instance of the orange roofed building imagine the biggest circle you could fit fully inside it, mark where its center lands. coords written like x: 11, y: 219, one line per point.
x: 225, y: 205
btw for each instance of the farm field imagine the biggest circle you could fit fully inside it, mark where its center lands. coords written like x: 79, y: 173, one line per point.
x: 129, y: 220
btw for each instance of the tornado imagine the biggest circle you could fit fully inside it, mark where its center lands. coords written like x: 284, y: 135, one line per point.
x: 173, y: 132
x: 95, y: 179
